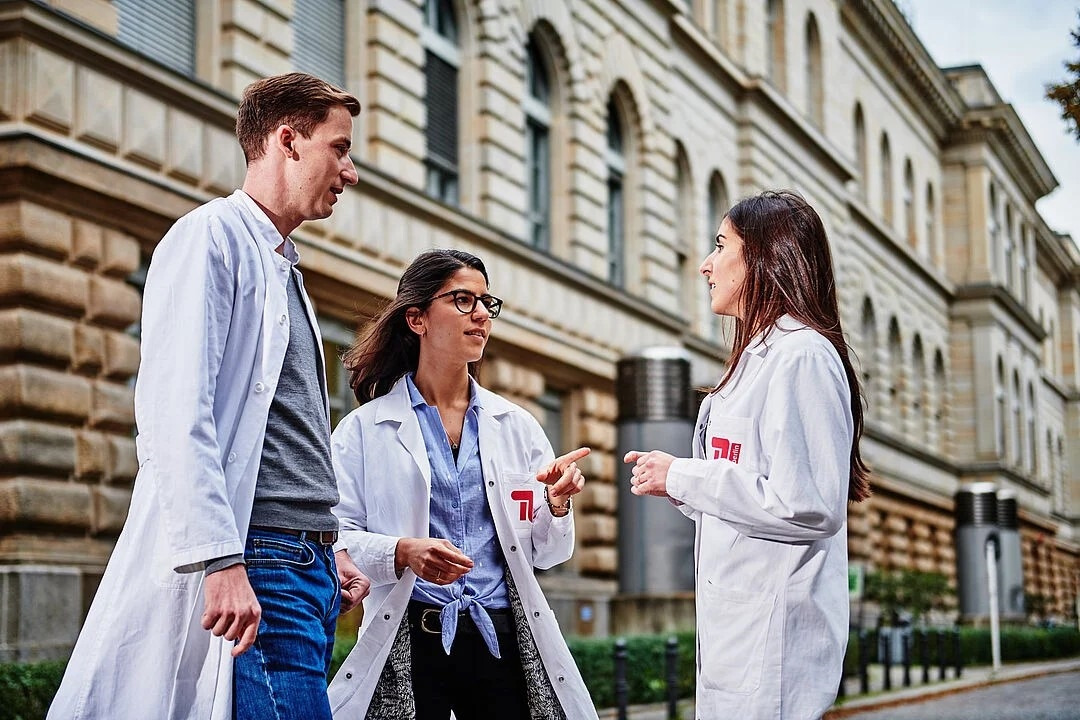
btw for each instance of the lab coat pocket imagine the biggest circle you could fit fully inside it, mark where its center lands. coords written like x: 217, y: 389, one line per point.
x: 733, y: 627
x: 731, y: 438
x: 520, y: 495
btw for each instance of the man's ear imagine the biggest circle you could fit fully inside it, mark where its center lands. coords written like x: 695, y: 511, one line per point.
x: 282, y: 139
x: 414, y: 318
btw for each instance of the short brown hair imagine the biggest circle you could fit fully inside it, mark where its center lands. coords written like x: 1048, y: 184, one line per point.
x: 296, y: 99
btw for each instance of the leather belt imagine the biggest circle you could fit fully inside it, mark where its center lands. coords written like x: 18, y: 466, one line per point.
x: 426, y: 618
x: 322, y: 537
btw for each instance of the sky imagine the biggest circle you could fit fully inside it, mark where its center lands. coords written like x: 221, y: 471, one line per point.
x: 1022, y: 45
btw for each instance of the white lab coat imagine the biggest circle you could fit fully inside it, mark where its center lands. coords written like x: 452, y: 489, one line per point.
x: 768, y: 490
x: 215, y: 329
x: 384, y: 480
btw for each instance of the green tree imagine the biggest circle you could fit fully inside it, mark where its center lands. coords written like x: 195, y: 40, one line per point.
x: 1067, y: 93
x: 911, y: 590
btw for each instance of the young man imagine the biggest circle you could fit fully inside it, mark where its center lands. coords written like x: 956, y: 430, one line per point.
x: 228, y: 547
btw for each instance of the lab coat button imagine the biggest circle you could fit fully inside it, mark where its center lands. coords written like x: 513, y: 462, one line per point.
x: 281, y: 320
x: 259, y: 387
x: 232, y: 457
x: 513, y: 548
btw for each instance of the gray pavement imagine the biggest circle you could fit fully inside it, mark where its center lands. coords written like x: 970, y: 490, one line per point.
x: 1022, y: 691
x: 1047, y: 697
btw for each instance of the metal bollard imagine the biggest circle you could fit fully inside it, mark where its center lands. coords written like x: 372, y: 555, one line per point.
x: 941, y: 654
x: 956, y: 647
x: 906, y: 659
x: 622, y: 688
x: 864, y: 662
x: 671, y: 657
x: 886, y: 661
x: 924, y: 656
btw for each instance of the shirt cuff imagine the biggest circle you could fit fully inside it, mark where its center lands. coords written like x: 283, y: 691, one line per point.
x: 223, y: 562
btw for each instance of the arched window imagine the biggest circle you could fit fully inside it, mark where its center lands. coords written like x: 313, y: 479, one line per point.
x: 919, y: 405
x: 886, y: 180
x: 941, y: 403
x: 537, y: 108
x: 616, y: 216
x: 1010, y: 245
x: 868, y: 352
x: 716, y: 22
x: 774, y: 43
x: 993, y: 230
x: 931, y: 225
x: 910, y: 230
x: 896, y: 375
x: 1017, y: 422
x: 690, y: 250
x: 718, y: 206
x: 815, y: 83
x: 861, y: 158
x: 1000, y: 417
x: 1032, y: 437
x: 442, y: 62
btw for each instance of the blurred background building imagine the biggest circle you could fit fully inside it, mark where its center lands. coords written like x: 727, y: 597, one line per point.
x: 586, y: 149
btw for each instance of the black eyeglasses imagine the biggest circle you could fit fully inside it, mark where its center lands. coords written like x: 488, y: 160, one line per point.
x: 466, y: 301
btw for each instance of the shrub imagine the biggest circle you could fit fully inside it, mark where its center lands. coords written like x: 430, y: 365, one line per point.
x: 26, y: 689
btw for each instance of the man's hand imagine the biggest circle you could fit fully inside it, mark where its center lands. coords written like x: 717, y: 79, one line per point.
x: 563, y: 477
x: 432, y: 559
x: 231, y: 607
x: 354, y: 584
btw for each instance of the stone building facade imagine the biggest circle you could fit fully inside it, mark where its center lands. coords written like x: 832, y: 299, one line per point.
x: 586, y: 149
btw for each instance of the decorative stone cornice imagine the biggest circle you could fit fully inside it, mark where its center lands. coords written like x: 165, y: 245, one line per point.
x: 886, y: 36
x: 1000, y: 127
x: 999, y: 297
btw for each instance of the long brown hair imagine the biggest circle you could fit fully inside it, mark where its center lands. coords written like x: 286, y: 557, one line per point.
x: 388, y: 348
x: 789, y: 271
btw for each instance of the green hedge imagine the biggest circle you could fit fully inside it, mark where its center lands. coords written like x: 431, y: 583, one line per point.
x: 1018, y: 644
x: 645, y: 667
x: 26, y: 689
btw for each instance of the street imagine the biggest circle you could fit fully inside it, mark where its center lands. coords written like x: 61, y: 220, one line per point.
x: 1053, y: 697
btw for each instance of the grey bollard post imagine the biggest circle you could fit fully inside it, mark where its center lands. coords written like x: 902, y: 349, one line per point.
x: 656, y: 545
x: 924, y: 655
x: 622, y: 688
x: 976, y: 522
x: 864, y: 663
x: 906, y: 659
x: 1010, y: 564
x: 671, y: 661
x: 886, y: 662
x: 941, y: 654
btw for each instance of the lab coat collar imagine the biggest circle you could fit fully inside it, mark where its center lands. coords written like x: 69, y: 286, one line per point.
x: 396, y: 405
x: 267, y: 232
x: 784, y: 324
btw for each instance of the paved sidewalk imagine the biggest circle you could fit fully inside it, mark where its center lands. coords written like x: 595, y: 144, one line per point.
x: 970, y: 678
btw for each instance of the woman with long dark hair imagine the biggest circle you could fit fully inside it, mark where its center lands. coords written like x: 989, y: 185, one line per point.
x: 775, y: 462
x: 450, y: 497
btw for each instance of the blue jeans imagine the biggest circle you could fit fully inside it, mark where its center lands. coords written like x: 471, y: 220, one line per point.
x: 283, y: 675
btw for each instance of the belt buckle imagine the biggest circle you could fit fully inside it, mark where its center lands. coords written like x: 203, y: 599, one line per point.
x: 423, y: 621
x: 327, y: 537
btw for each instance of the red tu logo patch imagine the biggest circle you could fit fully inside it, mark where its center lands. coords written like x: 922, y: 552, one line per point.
x: 524, y: 500
x: 724, y: 448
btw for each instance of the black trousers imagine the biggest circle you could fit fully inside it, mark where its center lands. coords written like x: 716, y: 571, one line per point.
x: 470, y: 680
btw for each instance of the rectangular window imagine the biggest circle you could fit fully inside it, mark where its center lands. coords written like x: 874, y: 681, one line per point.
x: 336, y: 340
x: 538, y: 172
x: 441, y: 131
x: 319, y: 39
x: 163, y: 30
x: 552, y: 403
x: 615, y: 231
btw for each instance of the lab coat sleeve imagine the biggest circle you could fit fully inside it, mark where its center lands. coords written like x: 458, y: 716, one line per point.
x: 552, y: 537
x: 187, y: 310
x: 373, y: 553
x: 806, y: 432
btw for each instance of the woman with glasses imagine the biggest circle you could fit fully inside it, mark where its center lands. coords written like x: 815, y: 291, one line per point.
x: 776, y: 460
x: 450, y: 497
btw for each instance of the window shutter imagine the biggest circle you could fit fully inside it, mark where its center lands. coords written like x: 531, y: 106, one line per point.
x: 319, y: 39
x: 442, y: 111
x: 163, y: 30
